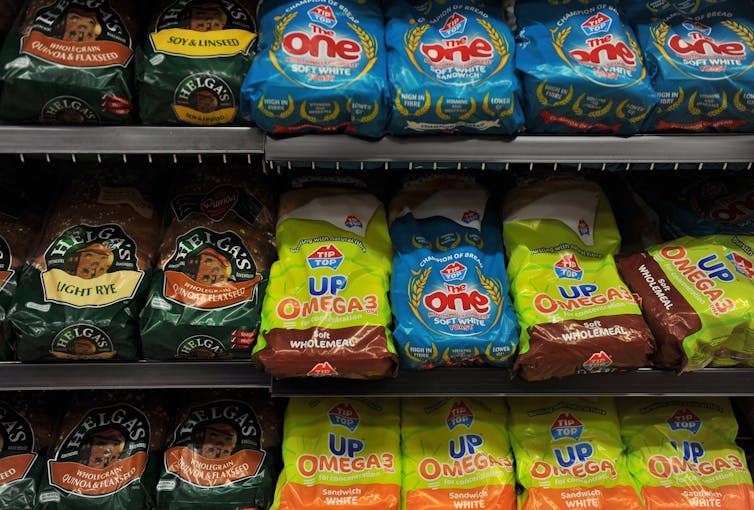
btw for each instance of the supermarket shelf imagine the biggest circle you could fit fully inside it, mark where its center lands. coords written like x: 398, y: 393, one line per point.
x: 707, y: 148
x: 490, y: 381
x: 130, y: 140
x: 178, y: 374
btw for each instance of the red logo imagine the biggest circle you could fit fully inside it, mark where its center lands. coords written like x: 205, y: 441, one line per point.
x: 216, y: 204
x: 742, y: 265
x: 566, y: 425
x: 460, y: 51
x: 704, y: 46
x: 685, y: 419
x: 460, y: 414
x: 598, y: 362
x: 455, y: 24
x: 602, y: 51
x: 345, y: 416
x: 470, y: 215
x: 453, y: 272
x: 323, y: 369
x: 325, y: 256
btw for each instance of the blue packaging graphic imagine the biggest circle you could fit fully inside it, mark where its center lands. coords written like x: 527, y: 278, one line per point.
x: 699, y: 54
x: 582, y: 68
x: 320, y: 68
x: 451, y: 68
x: 449, y: 290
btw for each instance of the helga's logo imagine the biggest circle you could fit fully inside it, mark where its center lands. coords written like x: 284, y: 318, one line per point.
x: 325, y: 256
x: 598, y: 23
x: 344, y: 415
x: 567, y: 426
x: 455, y: 24
x: 568, y: 268
x: 323, y: 15
x: 685, y: 419
x: 460, y: 414
x: 453, y: 272
x: 741, y: 264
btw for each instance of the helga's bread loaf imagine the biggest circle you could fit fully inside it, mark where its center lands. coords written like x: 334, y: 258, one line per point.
x: 223, y: 454
x: 80, y: 295
x: 106, y: 453
x: 191, y: 65
x: 27, y: 425
x: 206, y: 296
x: 70, y: 62
x: 326, y: 311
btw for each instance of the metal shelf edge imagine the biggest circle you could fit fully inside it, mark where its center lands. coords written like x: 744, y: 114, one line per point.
x: 130, y: 140
x: 130, y: 375
x: 687, y: 148
x: 497, y: 382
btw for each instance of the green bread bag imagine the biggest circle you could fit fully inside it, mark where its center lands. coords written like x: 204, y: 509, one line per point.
x: 576, y: 314
x: 569, y: 454
x: 79, y: 295
x: 26, y: 430
x: 206, y: 295
x: 697, y: 296
x: 456, y: 454
x: 340, y: 453
x: 192, y: 64
x: 325, y: 312
x: 71, y: 62
x: 223, y: 454
x: 683, y: 453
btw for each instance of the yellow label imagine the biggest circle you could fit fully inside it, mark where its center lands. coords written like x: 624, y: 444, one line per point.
x: 61, y: 287
x: 218, y: 43
x: 222, y: 116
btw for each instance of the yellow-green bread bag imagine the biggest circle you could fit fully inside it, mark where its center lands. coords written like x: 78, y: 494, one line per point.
x: 456, y: 454
x: 325, y: 311
x: 340, y: 453
x: 569, y: 454
x: 683, y: 453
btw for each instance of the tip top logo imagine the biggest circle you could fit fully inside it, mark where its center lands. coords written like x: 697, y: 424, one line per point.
x: 598, y: 362
x: 353, y: 221
x: 323, y: 15
x: 454, y: 272
x: 325, y: 256
x: 685, y: 419
x: 454, y: 25
x: 694, y: 26
x: 470, y: 215
x: 598, y: 23
x: 741, y: 264
x: 583, y: 227
x: 460, y: 414
x: 568, y: 267
x: 323, y: 369
x: 567, y: 426
x: 345, y: 416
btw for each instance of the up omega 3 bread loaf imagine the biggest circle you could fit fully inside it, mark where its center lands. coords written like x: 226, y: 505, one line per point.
x: 70, y: 62
x: 106, y: 454
x: 449, y: 290
x: 325, y: 312
x: 80, y: 294
x: 576, y: 314
x: 191, y: 65
x: 451, y: 68
x: 205, y: 298
x: 223, y: 453
x: 321, y: 68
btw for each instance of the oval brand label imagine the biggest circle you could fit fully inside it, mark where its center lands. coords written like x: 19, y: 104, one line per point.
x: 316, y: 46
x: 205, y: 100
x: 17, y: 446
x: 82, y: 341
x: 104, y: 453
x: 458, y: 47
x: 211, y: 270
x: 91, y: 266
x: 79, y: 33
x: 596, y: 46
x: 201, y: 347
x: 216, y: 444
x: 68, y: 110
